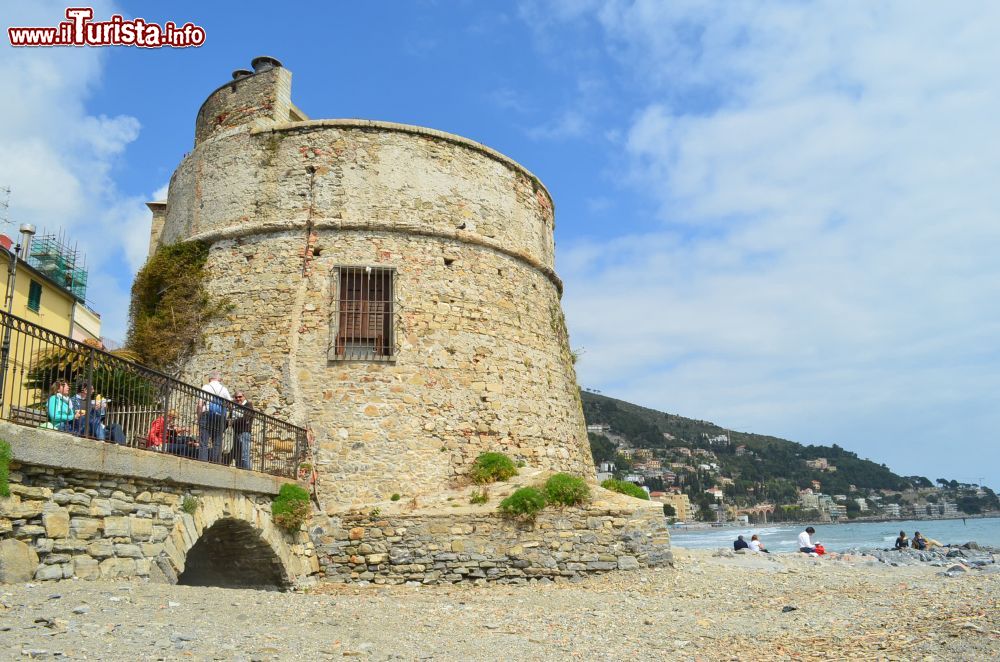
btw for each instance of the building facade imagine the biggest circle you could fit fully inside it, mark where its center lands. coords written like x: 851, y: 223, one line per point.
x: 392, y: 287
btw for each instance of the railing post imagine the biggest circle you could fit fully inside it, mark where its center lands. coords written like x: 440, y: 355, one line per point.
x: 88, y: 375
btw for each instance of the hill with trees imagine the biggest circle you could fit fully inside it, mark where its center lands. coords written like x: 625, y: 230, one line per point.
x: 694, y: 455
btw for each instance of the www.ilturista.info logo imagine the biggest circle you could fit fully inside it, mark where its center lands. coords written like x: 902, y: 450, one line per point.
x: 80, y: 30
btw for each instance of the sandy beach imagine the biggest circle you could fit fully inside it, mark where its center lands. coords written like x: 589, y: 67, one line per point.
x: 707, y: 607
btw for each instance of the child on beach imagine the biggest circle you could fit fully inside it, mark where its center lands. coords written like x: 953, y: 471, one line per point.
x: 902, y: 542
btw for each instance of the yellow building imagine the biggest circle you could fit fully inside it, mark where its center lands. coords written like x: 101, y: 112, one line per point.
x: 41, y: 300
x: 680, y: 502
x: 47, y: 292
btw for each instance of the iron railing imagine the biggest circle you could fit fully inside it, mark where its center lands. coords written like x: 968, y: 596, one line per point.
x: 118, y: 401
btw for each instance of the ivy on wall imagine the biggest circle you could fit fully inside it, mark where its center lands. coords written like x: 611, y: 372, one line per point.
x: 170, y: 306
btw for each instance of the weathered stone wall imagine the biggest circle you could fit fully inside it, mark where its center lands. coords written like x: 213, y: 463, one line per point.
x: 483, y: 547
x: 483, y: 361
x: 90, y: 524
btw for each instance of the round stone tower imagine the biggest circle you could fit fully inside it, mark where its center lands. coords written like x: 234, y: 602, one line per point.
x: 392, y: 288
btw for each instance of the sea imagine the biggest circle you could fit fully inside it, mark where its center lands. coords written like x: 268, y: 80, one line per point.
x: 842, y: 537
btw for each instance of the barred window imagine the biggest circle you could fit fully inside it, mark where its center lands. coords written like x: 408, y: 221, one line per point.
x: 364, y: 313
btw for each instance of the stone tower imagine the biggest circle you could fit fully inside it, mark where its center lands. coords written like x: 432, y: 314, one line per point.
x: 392, y: 288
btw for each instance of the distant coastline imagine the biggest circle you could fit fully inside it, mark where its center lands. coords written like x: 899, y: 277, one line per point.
x: 707, y: 526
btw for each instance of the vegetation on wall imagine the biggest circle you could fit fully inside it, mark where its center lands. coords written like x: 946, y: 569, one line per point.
x: 5, y: 457
x: 626, y: 488
x: 492, y: 467
x: 291, y: 509
x: 523, y: 504
x: 566, y: 490
x: 171, y: 306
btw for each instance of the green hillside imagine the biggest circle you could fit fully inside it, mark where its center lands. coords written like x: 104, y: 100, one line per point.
x: 767, y: 468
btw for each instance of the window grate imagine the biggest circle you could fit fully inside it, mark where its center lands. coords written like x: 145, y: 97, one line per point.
x: 363, y: 323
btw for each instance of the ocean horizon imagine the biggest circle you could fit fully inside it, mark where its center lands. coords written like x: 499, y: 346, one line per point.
x: 849, y: 535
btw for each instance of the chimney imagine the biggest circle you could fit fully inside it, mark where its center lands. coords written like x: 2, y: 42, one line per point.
x: 264, y: 63
x: 241, y: 73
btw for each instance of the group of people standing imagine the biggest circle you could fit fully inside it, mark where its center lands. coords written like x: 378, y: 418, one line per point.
x: 216, y: 413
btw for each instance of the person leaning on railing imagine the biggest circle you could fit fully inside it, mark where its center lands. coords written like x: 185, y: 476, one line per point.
x: 242, y: 422
x: 60, y: 410
x: 212, y: 410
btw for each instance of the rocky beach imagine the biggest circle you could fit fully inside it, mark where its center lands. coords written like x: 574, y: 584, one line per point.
x: 710, y: 605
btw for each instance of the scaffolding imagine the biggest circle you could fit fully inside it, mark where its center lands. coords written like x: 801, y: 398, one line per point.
x: 52, y: 255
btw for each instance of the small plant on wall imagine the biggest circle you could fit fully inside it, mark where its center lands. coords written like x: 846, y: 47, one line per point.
x: 492, y: 467
x: 291, y: 509
x: 565, y: 490
x: 524, y: 504
x: 190, y: 504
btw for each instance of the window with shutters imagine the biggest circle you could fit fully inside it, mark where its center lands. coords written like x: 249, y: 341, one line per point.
x: 363, y: 323
x: 35, y: 296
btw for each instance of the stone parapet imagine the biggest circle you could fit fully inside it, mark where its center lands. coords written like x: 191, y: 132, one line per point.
x: 85, y: 509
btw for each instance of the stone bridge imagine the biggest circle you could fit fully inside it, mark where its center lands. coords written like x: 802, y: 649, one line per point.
x: 87, y: 509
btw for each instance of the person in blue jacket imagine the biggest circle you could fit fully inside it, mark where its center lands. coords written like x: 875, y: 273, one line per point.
x: 740, y: 543
x: 60, y: 410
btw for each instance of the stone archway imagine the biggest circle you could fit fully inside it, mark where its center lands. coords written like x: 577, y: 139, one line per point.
x: 230, y: 541
x: 232, y: 554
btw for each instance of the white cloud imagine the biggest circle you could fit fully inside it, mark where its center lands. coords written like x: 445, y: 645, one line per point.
x: 827, y: 264
x: 58, y: 159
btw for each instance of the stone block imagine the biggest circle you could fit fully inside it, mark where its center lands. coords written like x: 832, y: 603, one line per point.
x: 356, y: 533
x: 18, y: 562
x: 113, y: 568
x: 49, y: 572
x: 101, y: 508
x: 100, y: 549
x: 141, y: 529
x: 628, y: 563
x: 85, y: 567
x: 69, y: 545
x: 56, y: 523
x: 116, y: 527
x: 128, y: 551
x: 82, y: 527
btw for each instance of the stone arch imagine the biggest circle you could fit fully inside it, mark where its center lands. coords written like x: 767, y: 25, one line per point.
x: 231, y: 541
x: 232, y: 554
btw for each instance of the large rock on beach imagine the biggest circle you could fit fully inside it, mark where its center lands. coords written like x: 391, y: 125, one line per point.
x: 18, y: 562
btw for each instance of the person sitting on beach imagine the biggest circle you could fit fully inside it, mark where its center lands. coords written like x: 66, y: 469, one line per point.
x: 806, y: 546
x: 756, y: 545
x: 740, y: 543
x: 902, y: 542
x: 919, y: 542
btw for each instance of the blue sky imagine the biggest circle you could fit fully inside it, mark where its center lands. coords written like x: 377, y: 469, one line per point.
x: 778, y: 216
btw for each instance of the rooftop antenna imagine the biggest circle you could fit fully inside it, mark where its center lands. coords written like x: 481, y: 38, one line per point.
x: 4, y: 204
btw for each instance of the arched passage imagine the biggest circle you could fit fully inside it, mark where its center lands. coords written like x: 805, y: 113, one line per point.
x: 232, y: 554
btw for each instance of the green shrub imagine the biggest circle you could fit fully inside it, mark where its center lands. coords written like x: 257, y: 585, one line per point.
x: 479, y: 496
x: 395, y: 497
x: 491, y: 467
x: 190, y: 504
x: 524, y: 503
x: 5, y: 456
x: 566, y: 490
x: 291, y: 509
x: 625, y: 487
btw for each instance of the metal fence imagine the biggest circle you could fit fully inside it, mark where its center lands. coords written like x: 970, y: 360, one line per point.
x: 51, y: 381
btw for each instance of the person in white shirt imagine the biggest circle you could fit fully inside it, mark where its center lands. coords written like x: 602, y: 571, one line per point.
x: 756, y: 545
x: 806, y: 544
x: 212, y: 411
